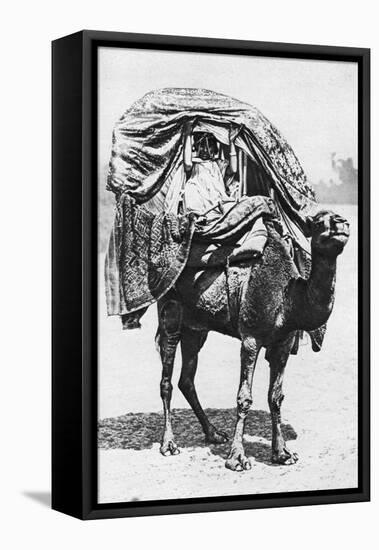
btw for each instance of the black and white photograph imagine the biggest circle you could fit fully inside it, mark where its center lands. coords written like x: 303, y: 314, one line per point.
x: 189, y: 228
x: 227, y: 269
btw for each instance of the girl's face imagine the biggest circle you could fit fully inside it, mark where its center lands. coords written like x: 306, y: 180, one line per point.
x: 205, y: 145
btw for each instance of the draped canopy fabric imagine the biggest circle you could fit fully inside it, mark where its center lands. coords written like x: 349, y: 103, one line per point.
x: 148, y: 141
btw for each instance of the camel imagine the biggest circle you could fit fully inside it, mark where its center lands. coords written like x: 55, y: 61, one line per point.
x: 263, y: 302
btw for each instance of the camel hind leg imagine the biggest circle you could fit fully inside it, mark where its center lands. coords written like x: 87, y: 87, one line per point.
x: 278, y: 357
x: 191, y: 343
x: 168, y: 336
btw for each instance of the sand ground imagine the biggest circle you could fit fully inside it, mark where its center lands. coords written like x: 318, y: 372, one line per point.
x: 319, y: 410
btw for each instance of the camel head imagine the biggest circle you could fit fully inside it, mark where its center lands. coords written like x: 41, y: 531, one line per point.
x: 329, y: 232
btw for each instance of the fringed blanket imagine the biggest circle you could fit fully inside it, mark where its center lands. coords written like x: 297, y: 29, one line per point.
x: 146, y: 255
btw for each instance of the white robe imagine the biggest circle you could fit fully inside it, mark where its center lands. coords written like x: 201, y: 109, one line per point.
x: 205, y: 188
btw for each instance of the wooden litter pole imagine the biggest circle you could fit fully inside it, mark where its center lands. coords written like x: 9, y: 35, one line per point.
x: 242, y: 173
x: 244, y: 170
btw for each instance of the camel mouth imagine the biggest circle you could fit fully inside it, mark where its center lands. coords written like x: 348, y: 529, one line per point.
x: 340, y: 236
x: 332, y: 243
x: 335, y: 235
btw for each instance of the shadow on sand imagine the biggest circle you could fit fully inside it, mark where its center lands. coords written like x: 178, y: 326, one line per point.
x: 140, y: 431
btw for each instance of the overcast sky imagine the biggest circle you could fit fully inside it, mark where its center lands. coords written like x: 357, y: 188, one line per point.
x: 312, y: 103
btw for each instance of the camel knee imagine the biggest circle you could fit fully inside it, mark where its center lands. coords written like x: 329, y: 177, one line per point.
x: 166, y: 388
x: 244, y: 406
x: 244, y: 403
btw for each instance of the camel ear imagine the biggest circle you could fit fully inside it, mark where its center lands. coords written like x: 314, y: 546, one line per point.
x: 308, y: 226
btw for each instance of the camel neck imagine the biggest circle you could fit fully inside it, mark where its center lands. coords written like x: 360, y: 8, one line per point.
x: 319, y: 289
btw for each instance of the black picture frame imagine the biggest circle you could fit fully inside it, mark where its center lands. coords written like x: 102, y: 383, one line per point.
x: 74, y: 333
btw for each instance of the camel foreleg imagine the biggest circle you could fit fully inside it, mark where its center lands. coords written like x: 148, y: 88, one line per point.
x: 168, y: 337
x: 278, y: 357
x: 249, y: 353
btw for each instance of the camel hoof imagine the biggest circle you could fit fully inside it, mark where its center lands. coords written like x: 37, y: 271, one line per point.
x: 216, y: 437
x: 285, y: 458
x: 169, y: 449
x: 238, y: 463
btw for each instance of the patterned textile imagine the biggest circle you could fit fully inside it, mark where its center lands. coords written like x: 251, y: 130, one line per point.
x: 147, y: 252
x: 145, y: 256
x: 147, y: 144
